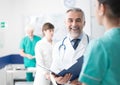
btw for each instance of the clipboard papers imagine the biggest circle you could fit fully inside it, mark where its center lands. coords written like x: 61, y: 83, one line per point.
x: 44, y: 67
x: 75, y: 69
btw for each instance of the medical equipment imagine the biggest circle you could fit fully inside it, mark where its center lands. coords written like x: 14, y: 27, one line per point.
x: 64, y: 47
x: 45, y: 68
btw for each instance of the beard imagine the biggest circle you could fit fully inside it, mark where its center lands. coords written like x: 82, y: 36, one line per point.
x: 75, y: 32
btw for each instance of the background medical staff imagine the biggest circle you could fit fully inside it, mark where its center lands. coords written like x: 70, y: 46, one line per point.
x: 64, y: 54
x: 27, y: 46
x: 43, y: 54
x: 102, y: 58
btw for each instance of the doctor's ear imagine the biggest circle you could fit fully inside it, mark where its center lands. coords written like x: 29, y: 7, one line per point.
x: 101, y: 9
x: 84, y: 23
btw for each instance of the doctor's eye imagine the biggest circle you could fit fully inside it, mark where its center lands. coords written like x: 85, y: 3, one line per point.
x: 78, y: 20
x: 69, y: 20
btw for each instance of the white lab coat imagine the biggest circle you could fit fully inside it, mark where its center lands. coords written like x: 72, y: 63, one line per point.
x: 64, y: 58
x: 43, y: 54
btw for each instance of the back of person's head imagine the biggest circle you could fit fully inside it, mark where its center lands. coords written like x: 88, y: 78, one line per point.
x: 47, y: 26
x: 113, y: 8
x: 76, y: 10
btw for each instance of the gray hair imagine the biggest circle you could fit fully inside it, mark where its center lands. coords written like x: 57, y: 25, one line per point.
x: 76, y: 10
x: 29, y: 27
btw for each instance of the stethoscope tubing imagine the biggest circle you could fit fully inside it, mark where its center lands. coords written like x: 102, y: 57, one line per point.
x: 63, y: 45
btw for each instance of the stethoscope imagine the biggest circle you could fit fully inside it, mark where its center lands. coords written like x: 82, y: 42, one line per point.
x: 62, y: 46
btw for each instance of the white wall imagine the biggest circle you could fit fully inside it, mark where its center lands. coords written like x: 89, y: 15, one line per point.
x: 96, y: 29
x: 85, y: 6
x: 13, y: 12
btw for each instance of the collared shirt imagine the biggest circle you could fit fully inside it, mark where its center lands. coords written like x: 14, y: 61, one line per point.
x: 71, y: 39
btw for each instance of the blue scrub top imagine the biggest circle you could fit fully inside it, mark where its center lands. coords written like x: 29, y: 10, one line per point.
x: 28, y: 46
x: 102, y: 60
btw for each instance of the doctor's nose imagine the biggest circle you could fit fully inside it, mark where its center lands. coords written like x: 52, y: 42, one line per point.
x: 74, y: 23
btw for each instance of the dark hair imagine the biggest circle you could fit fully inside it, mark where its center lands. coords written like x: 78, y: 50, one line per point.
x: 76, y: 10
x: 47, y: 26
x: 113, y: 7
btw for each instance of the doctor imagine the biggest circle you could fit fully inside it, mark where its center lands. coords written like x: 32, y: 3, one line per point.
x: 27, y: 46
x: 64, y: 52
x: 43, y: 54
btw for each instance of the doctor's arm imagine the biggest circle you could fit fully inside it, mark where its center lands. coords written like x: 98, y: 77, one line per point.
x: 38, y: 55
x: 22, y: 53
x: 22, y: 50
x: 40, y: 60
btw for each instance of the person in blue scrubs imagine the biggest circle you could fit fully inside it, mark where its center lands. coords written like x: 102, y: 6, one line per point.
x: 102, y: 58
x: 27, y: 50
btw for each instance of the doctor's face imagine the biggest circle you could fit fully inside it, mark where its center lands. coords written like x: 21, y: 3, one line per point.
x: 49, y: 34
x: 30, y: 33
x: 75, y: 22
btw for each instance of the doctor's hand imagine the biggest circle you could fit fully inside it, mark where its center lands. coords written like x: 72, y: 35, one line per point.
x: 30, y: 56
x: 47, y: 75
x: 62, y: 79
x: 75, y: 82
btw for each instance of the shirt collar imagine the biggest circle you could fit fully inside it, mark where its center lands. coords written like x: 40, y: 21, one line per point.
x: 80, y: 37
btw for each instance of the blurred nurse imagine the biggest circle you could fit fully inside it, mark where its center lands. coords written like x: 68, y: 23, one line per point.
x: 102, y: 58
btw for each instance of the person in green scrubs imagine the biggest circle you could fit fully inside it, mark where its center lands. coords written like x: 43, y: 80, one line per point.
x: 27, y: 50
x: 102, y: 58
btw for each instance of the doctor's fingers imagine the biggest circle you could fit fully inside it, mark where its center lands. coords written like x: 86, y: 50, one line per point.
x: 63, y: 80
x: 67, y: 77
x: 75, y: 82
x: 30, y: 56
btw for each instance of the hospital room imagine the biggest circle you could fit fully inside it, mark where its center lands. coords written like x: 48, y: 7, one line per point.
x: 37, y: 42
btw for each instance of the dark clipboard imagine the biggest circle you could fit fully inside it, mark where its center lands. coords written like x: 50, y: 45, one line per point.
x: 75, y: 69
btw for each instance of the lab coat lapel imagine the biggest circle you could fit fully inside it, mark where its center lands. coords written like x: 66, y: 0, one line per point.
x: 69, y: 53
x: 81, y: 47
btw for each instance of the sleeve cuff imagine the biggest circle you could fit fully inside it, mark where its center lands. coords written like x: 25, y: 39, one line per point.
x: 89, y: 80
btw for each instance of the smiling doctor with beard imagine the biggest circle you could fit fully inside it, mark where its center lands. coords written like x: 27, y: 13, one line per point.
x: 66, y: 52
